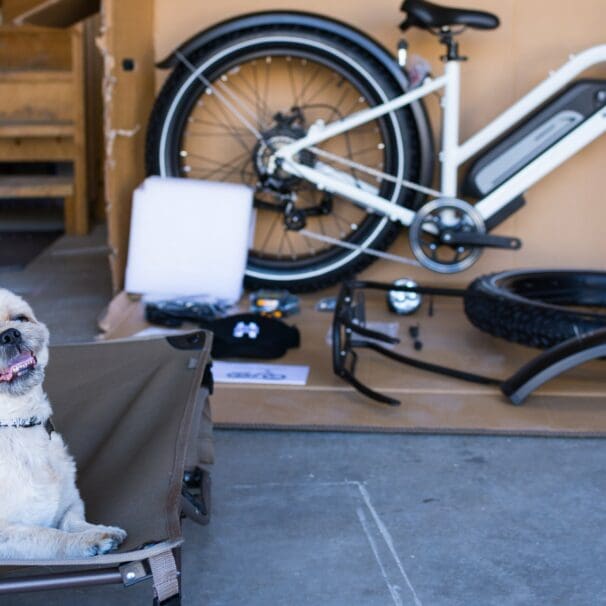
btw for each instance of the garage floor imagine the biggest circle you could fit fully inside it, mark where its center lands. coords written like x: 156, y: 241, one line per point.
x: 368, y: 519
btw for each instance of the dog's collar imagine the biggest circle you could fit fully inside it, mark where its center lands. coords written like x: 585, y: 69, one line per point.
x: 30, y: 422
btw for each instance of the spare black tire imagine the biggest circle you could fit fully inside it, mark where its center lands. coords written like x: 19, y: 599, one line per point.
x: 536, y: 307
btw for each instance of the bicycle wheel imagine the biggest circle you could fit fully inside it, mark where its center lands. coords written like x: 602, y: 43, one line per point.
x: 538, y: 308
x: 281, y: 80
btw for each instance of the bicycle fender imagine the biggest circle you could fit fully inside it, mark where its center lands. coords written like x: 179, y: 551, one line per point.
x: 553, y: 362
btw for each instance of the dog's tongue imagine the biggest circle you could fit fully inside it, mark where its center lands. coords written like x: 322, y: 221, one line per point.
x: 17, y: 366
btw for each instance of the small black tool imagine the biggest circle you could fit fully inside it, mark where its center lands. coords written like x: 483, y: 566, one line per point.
x: 414, y: 331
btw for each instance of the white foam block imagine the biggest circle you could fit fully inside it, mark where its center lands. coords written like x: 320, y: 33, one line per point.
x: 189, y: 237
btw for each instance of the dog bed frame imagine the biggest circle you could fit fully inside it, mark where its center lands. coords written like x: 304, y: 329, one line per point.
x: 135, y: 416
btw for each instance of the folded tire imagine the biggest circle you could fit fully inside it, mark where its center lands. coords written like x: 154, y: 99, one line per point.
x: 537, y: 308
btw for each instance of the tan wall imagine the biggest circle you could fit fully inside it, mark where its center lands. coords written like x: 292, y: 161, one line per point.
x: 563, y: 224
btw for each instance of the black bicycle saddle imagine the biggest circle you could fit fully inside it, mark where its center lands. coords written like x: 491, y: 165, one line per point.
x: 427, y: 15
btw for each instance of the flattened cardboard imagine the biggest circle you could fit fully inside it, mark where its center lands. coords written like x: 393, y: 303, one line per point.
x: 562, y: 223
x: 572, y: 404
x: 123, y: 318
x: 128, y: 95
x: 554, y: 226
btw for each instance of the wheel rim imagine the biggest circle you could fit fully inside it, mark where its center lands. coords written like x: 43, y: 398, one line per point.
x: 379, y: 141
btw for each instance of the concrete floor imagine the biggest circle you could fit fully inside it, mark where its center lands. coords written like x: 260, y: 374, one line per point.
x: 337, y: 519
x: 68, y: 285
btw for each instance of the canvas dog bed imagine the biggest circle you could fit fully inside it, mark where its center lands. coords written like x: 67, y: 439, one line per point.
x: 135, y: 416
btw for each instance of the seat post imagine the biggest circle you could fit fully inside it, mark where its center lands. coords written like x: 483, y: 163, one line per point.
x: 450, y: 118
x: 447, y: 38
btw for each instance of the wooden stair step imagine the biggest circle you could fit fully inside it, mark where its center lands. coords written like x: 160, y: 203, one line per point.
x: 26, y: 130
x: 36, y: 186
x: 36, y: 75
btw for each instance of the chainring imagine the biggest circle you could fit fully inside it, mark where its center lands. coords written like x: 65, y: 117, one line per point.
x: 431, y: 222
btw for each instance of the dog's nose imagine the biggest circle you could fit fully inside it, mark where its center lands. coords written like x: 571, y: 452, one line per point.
x: 10, y: 337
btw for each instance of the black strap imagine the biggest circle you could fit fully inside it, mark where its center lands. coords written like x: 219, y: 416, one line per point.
x: 422, y: 290
x: 437, y: 368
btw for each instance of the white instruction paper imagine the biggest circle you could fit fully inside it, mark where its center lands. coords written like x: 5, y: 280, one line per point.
x: 264, y: 374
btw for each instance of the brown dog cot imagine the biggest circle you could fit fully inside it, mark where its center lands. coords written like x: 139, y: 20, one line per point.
x: 135, y: 415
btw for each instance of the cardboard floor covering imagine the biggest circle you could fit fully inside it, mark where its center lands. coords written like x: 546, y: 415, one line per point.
x: 573, y: 404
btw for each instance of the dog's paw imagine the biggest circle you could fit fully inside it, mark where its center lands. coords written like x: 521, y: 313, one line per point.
x: 101, y: 540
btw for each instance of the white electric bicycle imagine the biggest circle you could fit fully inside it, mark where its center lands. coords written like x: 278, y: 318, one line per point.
x: 331, y: 132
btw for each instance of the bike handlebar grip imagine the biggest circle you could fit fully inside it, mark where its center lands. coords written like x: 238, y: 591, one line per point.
x: 553, y: 362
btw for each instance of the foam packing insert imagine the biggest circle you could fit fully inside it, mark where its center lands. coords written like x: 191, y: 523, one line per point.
x: 189, y: 238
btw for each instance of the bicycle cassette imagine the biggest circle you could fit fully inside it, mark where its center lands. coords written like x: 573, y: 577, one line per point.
x: 434, y: 232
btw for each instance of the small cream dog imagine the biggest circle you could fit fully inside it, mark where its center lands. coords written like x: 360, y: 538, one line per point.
x: 41, y: 512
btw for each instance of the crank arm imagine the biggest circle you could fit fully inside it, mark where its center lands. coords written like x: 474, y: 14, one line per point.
x: 480, y: 240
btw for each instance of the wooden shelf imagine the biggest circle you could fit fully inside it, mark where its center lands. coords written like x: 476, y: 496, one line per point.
x: 43, y: 115
x: 36, y: 186
x: 35, y: 75
x: 27, y: 130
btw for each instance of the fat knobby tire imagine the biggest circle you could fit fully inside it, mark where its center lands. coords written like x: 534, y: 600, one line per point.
x: 537, y: 308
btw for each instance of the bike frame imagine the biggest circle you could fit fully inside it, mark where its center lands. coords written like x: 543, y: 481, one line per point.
x: 453, y: 154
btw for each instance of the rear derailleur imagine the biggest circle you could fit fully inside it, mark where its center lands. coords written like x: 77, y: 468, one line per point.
x: 295, y: 218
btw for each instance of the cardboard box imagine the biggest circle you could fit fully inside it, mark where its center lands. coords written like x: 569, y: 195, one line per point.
x: 562, y: 225
x: 573, y: 404
x: 563, y: 222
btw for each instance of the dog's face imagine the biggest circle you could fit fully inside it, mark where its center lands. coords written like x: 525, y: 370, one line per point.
x: 23, y: 346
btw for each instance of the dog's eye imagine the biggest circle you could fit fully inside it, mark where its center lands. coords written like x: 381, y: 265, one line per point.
x: 20, y: 318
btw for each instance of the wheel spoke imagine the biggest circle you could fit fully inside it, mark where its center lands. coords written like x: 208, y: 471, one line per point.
x: 293, y: 252
x: 308, y: 83
x: 266, y: 93
x: 272, y: 227
x: 215, y: 162
x: 236, y: 134
x: 321, y: 89
x: 261, y: 107
x: 227, y: 129
x: 310, y: 246
x: 253, y: 114
x: 334, y: 112
x: 291, y: 78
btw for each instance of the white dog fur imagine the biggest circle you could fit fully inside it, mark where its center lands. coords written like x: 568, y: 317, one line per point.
x: 41, y: 512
